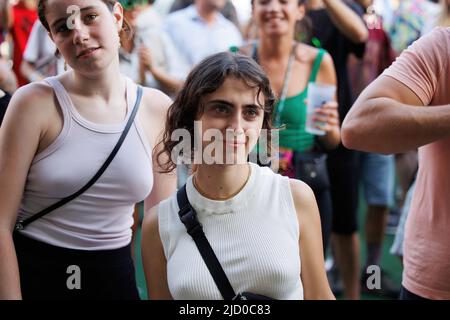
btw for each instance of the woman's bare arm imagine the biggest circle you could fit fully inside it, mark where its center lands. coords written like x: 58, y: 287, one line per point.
x: 313, y: 275
x: 20, y: 135
x: 153, y: 258
x: 388, y: 117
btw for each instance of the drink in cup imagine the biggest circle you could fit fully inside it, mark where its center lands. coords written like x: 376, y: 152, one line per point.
x: 318, y: 94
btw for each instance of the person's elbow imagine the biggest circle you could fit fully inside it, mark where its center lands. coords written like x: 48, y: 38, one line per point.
x: 361, y: 35
x: 349, y: 134
x: 359, y: 133
x: 356, y: 127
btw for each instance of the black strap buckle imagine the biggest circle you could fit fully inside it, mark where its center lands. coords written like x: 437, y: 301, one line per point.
x: 19, y: 226
x: 189, y: 218
x: 239, y: 297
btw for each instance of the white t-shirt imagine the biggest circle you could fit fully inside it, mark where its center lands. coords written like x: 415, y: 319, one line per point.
x: 163, y: 54
x: 149, y: 18
x: 195, y: 39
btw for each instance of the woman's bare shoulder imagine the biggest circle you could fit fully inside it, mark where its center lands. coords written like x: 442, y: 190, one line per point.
x: 153, y: 113
x: 30, y: 114
x: 39, y: 89
x: 156, y: 103
x: 304, y: 199
x: 35, y: 98
x: 306, y: 53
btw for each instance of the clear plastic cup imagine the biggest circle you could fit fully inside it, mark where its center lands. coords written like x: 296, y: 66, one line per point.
x: 318, y: 94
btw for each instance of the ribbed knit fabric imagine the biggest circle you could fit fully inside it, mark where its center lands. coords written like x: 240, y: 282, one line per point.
x: 254, y: 235
x: 101, y: 218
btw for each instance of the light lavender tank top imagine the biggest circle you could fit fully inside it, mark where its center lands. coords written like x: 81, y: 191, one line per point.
x: 101, y: 218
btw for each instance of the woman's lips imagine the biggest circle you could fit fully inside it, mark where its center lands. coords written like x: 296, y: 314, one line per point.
x: 87, y: 52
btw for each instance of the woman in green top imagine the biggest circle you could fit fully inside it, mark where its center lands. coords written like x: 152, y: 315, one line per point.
x: 276, y: 21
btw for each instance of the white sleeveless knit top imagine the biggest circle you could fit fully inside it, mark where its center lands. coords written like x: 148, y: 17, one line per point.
x: 101, y: 218
x: 254, y: 235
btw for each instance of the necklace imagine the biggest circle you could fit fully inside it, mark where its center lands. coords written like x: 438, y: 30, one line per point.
x: 194, y: 182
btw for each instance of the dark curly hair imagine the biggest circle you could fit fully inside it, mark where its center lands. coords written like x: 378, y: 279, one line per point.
x: 204, y: 79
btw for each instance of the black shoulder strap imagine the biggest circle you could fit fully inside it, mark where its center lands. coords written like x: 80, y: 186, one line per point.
x: 22, y: 224
x: 188, y: 216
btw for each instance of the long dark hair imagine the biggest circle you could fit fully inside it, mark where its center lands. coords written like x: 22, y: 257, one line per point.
x: 204, y: 79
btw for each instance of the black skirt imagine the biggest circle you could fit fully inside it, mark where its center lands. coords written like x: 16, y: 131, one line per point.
x: 50, y: 272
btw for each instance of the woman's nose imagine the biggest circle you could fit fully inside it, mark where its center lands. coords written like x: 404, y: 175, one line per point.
x: 80, y: 32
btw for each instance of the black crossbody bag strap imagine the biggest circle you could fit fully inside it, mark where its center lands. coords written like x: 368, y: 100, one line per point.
x: 188, y: 217
x: 22, y: 224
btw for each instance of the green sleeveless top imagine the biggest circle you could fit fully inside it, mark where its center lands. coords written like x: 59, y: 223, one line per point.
x: 293, y: 116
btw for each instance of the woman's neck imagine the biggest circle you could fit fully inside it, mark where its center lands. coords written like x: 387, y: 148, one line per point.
x: 221, y: 182
x: 99, y: 84
x: 275, y: 48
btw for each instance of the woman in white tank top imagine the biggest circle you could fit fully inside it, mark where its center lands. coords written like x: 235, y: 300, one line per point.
x: 55, y: 136
x: 263, y: 228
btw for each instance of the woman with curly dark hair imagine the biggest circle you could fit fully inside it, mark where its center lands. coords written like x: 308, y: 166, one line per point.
x: 263, y: 228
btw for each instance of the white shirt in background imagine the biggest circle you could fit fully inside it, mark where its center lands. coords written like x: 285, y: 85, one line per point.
x: 164, y: 55
x: 40, y: 51
x: 149, y: 18
x: 195, y: 39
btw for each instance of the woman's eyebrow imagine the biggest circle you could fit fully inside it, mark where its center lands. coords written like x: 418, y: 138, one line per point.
x: 221, y: 102
x: 227, y: 103
x: 65, y: 18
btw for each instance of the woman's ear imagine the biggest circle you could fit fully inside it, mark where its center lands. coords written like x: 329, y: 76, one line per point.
x: 118, y: 15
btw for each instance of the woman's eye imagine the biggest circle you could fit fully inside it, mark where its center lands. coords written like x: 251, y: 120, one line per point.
x: 62, y: 28
x: 91, y: 17
x: 252, y: 113
x: 221, y: 109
